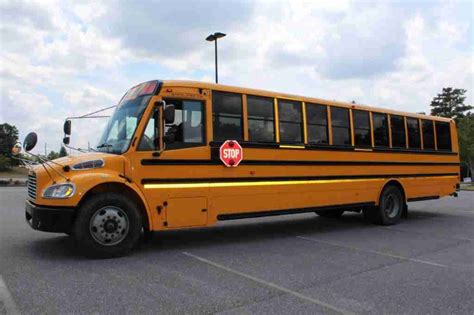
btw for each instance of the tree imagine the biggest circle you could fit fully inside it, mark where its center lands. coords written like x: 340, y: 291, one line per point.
x: 62, y: 152
x: 450, y: 103
x: 466, y: 142
x: 52, y: 155
x: 8, y: 138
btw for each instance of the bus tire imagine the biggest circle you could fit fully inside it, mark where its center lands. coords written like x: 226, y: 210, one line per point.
x: 107, y: 225
x: 390, y: 209
x: 335, y: 213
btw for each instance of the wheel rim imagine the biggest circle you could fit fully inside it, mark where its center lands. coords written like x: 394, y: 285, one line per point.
x: 109, y: 226
x: 392, y: 206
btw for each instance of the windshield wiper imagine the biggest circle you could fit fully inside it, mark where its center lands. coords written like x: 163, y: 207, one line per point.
x: 104, y: 145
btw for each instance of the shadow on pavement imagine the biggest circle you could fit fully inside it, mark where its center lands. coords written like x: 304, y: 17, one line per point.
x: 239, y: 231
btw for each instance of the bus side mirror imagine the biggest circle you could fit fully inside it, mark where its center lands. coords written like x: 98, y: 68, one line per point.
x: 16, y: 149
x: 30, y: 141
x: 169, y: 114
x: 66, y: 140
x: 67, y: 127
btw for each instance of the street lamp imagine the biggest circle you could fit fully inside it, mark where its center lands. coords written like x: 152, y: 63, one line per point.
x: 213, y: 38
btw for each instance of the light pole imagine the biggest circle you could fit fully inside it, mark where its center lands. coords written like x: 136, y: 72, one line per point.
x: 213, y: 38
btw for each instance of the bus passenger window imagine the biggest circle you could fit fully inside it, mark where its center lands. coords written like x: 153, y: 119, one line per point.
x: 398, y: 131
x: 362, y: 135
x: 380, y: 123
x: 341, y: 131
x: 428, y: 134
x: 291, y: 121
x: 227, y: 116
x: 317, y: 121
x: 187, y: 130
x: 261, y: 119
x: 443, y: 135
x: 413, y: 126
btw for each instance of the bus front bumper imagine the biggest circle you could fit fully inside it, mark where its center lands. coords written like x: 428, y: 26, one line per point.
x: 48, y: 219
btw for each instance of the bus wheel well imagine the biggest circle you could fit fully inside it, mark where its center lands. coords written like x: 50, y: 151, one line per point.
x: 397, y: 184
x: 122, y: 189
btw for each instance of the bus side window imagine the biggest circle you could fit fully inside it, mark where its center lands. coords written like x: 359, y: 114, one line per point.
x: 187, y: 130
x: 290, y: 121
x: 443, y: 136
x: 341, y: 130
x: 380, y: 123
x: 261, y: 119
x: 428, y: 134
x: 227, y: 116
x: 317, y: 121
x: 413, y: 125
x: 398, y: 131
x: 361, y: 128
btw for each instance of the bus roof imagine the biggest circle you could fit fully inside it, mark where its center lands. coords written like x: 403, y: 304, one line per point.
x: 235, y: 89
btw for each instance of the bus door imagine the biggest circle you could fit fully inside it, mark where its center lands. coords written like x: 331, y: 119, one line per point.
x: 171, y: 181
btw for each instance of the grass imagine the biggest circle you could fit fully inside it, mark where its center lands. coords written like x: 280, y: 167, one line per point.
x: 468, y: 187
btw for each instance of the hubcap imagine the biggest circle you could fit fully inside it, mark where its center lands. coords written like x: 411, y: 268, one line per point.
x: 392, y: 206
x: 109, y: 226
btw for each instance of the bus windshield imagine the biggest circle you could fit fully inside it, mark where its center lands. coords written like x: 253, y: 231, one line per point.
x: 121, y: 126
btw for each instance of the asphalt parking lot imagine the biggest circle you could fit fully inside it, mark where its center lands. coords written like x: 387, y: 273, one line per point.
x: 280, y: 265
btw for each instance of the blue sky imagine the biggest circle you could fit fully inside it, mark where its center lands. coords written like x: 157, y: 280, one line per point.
x: 60, y: 58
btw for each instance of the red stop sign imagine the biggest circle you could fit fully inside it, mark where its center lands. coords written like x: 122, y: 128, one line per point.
x: 231, y: 153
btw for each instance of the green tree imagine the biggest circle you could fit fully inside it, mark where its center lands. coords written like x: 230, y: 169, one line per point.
x: 52, y: 155
x: 62, y: 152
x: 466, y: 142
x: 450, y: 103
x: 8, y: 138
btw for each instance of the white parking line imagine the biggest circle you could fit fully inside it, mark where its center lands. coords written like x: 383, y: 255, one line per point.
x: 7, y: 299
x: 270, y: 284
x: 373, y: 252
x: 421, y: 233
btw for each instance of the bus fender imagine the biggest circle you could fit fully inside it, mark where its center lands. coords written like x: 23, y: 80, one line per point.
x: 119, y: 185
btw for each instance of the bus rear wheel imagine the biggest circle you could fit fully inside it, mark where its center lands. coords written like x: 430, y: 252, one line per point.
x: 390, y: 208
x: 107, y: 225
x: 336, y: 213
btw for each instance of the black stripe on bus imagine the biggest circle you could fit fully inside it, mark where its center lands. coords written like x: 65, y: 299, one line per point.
x: 193, y: 162
x: 267, y: 213
x: 287, y: 178
x: 327, y: 147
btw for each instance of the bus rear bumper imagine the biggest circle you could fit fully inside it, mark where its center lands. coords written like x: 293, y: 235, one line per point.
x: 57, y: 220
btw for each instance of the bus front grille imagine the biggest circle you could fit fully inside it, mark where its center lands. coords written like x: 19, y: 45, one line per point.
x: 31, y: 185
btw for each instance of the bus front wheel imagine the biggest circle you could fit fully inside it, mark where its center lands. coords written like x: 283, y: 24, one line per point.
x: 107, y: 225
x: 390, y: 208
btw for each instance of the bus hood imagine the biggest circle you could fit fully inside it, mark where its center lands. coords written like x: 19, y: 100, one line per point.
x: 69, y: 166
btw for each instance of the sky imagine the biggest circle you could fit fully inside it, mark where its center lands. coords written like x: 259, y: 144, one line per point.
x: 60, y: 59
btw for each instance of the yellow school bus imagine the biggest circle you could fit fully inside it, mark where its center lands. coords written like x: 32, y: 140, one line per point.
x: 159, y: 164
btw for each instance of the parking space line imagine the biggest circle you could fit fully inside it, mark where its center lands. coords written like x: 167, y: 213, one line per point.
x: 7, y: 299
x: 269, y: 284
x: 373, y: 252
x: 421, y: 233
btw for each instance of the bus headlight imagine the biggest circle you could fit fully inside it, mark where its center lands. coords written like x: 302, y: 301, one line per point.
x: 60, y: 191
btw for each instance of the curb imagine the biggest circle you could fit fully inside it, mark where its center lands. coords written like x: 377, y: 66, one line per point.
x: 12, y: 182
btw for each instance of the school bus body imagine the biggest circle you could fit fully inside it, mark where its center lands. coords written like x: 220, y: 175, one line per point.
x: 190, y: 187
